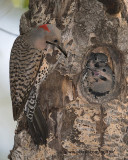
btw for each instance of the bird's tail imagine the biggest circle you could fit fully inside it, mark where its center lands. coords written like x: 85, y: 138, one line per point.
x: 38, y: 127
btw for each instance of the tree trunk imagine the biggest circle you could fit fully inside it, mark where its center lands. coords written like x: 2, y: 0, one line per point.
x: 81, y: 125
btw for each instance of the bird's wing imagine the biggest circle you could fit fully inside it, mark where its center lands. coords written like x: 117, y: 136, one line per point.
x: 25, y: 62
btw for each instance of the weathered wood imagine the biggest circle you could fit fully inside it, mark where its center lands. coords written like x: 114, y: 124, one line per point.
x: 80, y: 126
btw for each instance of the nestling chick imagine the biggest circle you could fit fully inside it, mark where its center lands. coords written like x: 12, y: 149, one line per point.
x: 101, y: 79
x: 97, y: 60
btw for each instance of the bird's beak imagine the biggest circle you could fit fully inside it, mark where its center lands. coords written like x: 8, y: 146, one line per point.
x: 89, y: 68
x: 60, y: 48
x: 103, y: 78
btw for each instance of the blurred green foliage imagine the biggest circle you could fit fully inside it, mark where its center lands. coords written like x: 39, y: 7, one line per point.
x: 20, y: 3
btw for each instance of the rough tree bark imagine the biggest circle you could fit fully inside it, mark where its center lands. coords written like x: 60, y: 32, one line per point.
x: 81, y: 126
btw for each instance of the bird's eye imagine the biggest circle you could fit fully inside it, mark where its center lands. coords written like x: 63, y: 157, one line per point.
x: 104, y: 70
x: 97, y: 65
x: 55, y: 40
x: 95, y: 57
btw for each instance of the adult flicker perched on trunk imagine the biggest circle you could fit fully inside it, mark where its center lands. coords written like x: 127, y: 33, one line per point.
x: 28, y: 68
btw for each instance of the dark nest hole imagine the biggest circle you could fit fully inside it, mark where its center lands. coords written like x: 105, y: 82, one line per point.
x: 91, y: 89
x: 112, y: 6
x: 100, y: 78
x: 114, y: 59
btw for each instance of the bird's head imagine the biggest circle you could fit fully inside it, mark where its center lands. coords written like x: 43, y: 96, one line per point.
x: 52, y: 33
x: 100, y: 57
x: 48, y: 34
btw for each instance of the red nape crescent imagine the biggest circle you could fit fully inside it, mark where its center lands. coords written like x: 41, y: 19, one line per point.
x: 45, y: 27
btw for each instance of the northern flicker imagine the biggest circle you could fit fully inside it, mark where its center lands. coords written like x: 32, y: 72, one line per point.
x: 28, y: 68
x: 97, y: 60
x: 100, y: 80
